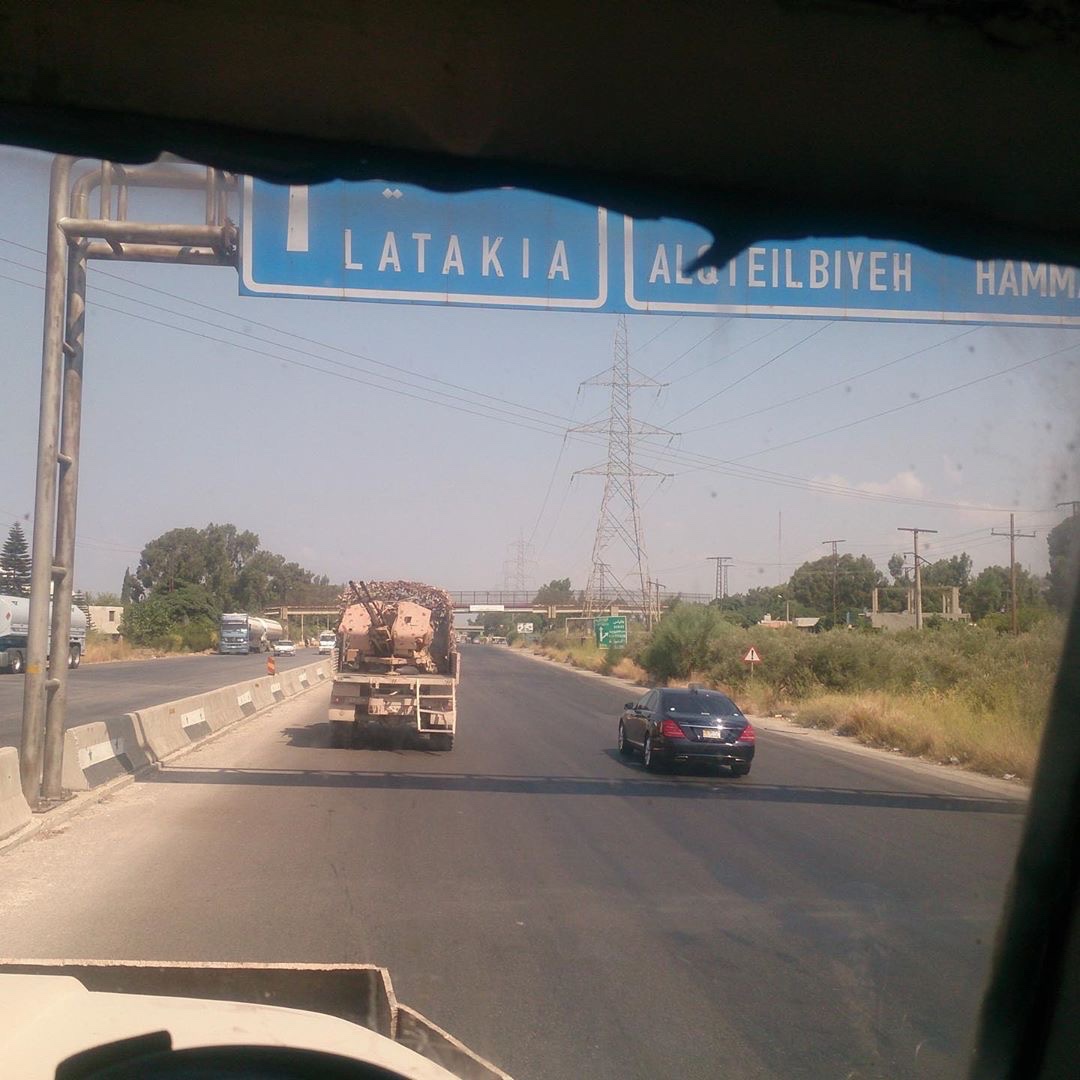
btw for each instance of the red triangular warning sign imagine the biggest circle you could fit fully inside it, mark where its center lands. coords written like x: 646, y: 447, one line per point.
x: 752, y: 656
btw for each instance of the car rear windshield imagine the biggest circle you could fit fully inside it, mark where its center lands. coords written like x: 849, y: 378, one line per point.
x: 699, y: 701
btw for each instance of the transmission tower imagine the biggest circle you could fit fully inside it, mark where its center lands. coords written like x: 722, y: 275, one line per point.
x: 620, y: 514
x: 518, y: 566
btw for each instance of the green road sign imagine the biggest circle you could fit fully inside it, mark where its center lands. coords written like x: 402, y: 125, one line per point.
x: 610, y: 631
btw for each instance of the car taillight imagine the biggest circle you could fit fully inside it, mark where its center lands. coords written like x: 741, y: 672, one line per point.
x: 748, y: 734
x: 670, y: 730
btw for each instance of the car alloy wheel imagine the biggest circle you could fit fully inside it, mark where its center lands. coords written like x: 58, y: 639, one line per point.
x: 651, y: 761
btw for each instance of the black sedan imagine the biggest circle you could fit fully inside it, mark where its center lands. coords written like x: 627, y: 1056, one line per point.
x: 693, y: 725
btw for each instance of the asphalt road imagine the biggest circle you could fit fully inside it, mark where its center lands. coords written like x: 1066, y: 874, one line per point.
x: 98, y: 691
x: 560, y: 910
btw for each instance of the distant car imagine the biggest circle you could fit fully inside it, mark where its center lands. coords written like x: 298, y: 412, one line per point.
x: 671, y: 727
x: 282, y: 647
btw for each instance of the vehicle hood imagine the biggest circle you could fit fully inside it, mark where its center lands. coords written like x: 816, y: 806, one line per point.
x: 49, y: 1018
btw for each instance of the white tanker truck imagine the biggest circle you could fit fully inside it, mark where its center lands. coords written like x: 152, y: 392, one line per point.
x: 15, y: 626
x: 240, y: 633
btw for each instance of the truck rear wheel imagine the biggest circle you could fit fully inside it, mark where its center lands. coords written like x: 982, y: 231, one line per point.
x: 442, y: 742
x: 17, y: 662
x: 74, y: 657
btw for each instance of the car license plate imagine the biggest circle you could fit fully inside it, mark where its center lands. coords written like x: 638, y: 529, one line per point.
x: 711, y: 733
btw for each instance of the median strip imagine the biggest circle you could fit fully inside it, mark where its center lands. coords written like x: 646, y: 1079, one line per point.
x: 107, y: 752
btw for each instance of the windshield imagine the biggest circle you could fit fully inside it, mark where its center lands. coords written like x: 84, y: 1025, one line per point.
x: 698, y: 702
x: 831, y: 480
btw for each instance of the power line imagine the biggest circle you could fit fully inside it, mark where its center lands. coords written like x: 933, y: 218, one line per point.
x: 911, y: 404
x: 694, y: 461
x: 493, y: 413
x: 670, y: 326
x: 771, y: 360
x: 292, y: 348
x: 833, y: 385
x: 686, y: 352
x: 726, y: 356
x: 247, y: 321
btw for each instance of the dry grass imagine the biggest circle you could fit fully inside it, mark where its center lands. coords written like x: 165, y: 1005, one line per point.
x: 101, y: 649
x: 940, y: 727
x: 588, y: 657
x: 631, y: 672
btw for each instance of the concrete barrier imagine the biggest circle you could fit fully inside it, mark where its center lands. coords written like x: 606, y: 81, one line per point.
x: 174, y: 725
x: 14, y: 809
x: 99, y: 752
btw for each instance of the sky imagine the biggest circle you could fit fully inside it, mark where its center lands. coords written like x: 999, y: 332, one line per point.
x: 200, y: 407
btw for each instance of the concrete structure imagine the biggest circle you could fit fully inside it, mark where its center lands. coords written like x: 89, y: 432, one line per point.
x: 106, y: 618
x: 14, y: 809
x: 904, y: 620
x: 800, y: 622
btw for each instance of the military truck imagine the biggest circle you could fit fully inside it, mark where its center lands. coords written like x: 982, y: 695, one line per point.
x: 396, y: 666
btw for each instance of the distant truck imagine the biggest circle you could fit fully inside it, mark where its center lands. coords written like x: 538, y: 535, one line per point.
x: 15, y: 625
x: 240, y: 633
x: 396, y: 670
x: 327, y: 641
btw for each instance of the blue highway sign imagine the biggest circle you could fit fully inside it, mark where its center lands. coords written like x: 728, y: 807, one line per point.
x: 507, y: 247
x: 397, y: 242
x: 839, y: 279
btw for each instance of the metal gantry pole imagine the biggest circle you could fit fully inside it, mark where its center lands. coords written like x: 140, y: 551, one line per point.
x: 67, y: 504
x: 36, y: 684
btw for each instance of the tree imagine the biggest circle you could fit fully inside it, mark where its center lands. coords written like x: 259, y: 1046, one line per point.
x: 174, y: 559
x: 498, y: 623
x: 856, y: 575
x: 988, y: 593
x: 1063, y: 542
x: 186, y: 616
x: 948, y: 572
x: 900, y: 576
x: 555, y: 592
x: 132, y: 590
x: 749, y: 608
x: 15, y: 563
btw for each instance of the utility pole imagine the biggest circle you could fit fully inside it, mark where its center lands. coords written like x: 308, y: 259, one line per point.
x: 1012, y: 534
x: 720, y: 589
x: 779, y: 549
x: 620, y: 511
x: 918, y: 569
x: 835, y: 572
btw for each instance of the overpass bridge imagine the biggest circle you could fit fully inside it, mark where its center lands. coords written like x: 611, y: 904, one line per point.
x: 477, y: 601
